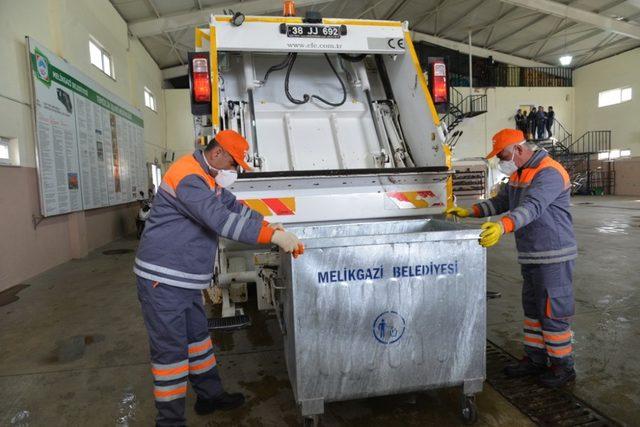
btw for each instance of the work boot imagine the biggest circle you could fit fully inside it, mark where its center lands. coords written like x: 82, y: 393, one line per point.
x: 557, y: 376
x: 523, y: 368
x: 224, y: 402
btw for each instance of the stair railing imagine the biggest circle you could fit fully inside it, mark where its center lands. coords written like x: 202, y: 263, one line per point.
x: 461, y: 106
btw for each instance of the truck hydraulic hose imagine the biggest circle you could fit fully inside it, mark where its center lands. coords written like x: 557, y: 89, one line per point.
x: 353, y: 58
x: 290, y: 97
x: 277, y: 67
x: 344, y: 88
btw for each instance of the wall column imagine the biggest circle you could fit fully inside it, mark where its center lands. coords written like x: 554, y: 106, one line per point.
x: 78, y: 244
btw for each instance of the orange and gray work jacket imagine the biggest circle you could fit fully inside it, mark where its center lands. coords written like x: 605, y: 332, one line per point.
x: 188, y: 215
x: 537, y: 201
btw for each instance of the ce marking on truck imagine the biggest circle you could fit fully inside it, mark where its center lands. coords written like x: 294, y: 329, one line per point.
x: 396, y: 43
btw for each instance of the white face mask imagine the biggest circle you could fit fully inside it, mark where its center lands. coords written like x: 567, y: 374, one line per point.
x: 225, y: 177
x: 508, y: 167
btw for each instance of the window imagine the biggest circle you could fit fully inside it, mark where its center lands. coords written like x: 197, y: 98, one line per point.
x: 156, y: 176
x: 149, y: 99
x: 614, y: 154
x: 614, y: 96
x: 101, y: 58
x: 9, y: 154
x: 5, y: 159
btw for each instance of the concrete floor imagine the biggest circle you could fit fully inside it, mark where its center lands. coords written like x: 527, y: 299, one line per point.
x: 73, y: 349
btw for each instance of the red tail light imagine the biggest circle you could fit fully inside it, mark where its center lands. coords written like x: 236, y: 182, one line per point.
x: 439, y: 82
x: 201, y: 80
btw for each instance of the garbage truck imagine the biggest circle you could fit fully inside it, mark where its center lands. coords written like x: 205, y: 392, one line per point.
x: 348, y: 152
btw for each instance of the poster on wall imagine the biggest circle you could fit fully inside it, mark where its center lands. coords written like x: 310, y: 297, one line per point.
x: 89, y: 142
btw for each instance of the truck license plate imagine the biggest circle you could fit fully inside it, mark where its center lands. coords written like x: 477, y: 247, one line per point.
x: 319, y: 31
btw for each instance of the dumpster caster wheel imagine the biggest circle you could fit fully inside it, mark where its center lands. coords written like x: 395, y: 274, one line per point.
x: 468, y: 410
x: 311, y: 421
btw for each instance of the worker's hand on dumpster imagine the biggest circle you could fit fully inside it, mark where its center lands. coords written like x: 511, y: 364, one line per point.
x: 287, y: 241
x: 277, y: 226
x: 458, y: 211
x: 299, y: 250
x: 492, y: 231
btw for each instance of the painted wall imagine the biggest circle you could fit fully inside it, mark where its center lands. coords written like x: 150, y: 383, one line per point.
x: 622, y: 119
x: 180, y: 130
x: 502, y: 103
x: 64, y: 26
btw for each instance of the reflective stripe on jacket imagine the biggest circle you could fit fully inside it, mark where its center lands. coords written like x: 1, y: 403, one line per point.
x: 537, y: 201
x: 189, y: 213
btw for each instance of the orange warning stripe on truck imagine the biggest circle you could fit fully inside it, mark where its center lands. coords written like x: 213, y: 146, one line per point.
x: 272, y: 206
x: 414, y: 199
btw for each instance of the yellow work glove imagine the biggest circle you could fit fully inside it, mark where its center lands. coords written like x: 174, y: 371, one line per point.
x: 276, y: 226
x: 458, y: 211
x: 288, y: 242
x: 492, y: 231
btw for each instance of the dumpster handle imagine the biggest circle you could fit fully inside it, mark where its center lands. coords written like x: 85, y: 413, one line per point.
x: 277, y: 281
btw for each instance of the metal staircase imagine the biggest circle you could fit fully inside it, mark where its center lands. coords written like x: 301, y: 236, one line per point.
x: 588, y: 176
x: 461, y: 107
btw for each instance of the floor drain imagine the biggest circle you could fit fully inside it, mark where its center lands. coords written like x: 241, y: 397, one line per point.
x: 117, y: 251
x: 228, y: 323
x: 544, y: 406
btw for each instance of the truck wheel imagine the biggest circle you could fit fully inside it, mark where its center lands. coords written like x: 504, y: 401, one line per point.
x: 468, y: 410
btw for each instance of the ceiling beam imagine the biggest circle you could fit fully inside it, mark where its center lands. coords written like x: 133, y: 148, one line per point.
x: 577, y: 40
x: 580, y: 15
x: 173, y: 72
x: 392, y: 12
x: 546, y: 39
x: 476, y: 50
x: 427, y: 14
x: 371, y: 8
x: 567, y: 27
x: 461, y: 19
x: 595, y: 49
x: 512, y: 33
x: 165, y: 24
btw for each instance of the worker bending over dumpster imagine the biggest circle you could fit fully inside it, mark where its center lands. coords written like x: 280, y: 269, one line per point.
x: 175, y: 262
x: 536, y: 201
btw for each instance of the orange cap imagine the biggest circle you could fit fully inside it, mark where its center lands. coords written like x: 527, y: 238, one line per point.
x: 505, y: 138
x: 234, y: 144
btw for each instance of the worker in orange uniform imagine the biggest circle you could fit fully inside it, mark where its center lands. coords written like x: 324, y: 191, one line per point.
x: 537, y: 203
x: 174, y: 263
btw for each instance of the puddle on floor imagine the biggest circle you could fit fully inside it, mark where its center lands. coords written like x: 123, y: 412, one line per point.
x: 72, y: 349
x: 615, y: 227
x: 11, y: 295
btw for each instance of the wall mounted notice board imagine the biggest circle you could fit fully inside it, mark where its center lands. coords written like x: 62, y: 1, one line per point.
x: 89, y: 142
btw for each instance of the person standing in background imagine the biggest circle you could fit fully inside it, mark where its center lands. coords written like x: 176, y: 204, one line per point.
x: 519, y: 119
x: 531, y: 124
x: 540, y: 119
x: 550, y: 118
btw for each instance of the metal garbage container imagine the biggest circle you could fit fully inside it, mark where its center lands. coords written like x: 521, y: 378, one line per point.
x: 386, y: 307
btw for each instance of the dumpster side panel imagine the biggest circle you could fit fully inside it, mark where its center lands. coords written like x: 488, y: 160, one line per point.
x: 387, y: 318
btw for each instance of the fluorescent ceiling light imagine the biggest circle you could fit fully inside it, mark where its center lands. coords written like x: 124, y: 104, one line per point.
x: 566, y: 60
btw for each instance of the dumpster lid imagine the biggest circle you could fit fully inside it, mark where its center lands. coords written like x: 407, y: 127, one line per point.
x: 378, y: 232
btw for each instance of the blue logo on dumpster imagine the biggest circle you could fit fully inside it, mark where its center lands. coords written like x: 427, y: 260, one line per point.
x: 388, y: 327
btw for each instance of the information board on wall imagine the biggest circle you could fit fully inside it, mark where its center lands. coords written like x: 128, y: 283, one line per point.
x: 89, y: 142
